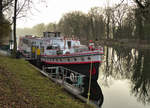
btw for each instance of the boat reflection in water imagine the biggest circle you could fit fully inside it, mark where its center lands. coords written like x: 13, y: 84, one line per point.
x: 96, y: 94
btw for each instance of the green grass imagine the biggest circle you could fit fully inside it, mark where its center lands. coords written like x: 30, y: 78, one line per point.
x: 23, y: 86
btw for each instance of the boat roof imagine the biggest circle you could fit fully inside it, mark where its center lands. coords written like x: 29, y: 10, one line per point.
x: 51, y: 34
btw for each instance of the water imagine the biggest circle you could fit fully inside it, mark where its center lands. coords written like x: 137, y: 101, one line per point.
x: 125, y: 78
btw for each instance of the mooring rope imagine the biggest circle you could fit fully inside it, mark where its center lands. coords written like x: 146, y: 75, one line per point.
x: 89, y: 89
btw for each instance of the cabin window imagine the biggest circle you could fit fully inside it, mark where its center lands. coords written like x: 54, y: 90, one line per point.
x: 42, y: 49
x: 55, y: 47
x: 68, y: 59
x: 25, y: 41
x: 69, y: 44
x: 49, y: 48
x: 32, y: 43
x: 82, y: 59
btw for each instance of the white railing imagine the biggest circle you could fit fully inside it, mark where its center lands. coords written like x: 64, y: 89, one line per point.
x: 65, y: 76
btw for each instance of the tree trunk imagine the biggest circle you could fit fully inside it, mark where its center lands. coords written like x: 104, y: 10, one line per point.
x: 14, y: 27
x: 107, y: 27
x: 139, y: 24
x: 92, y: 28
x: 141, y: 32
x: 1, y: 10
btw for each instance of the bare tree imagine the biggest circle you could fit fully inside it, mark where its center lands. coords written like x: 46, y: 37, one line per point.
x: 14, y: 27
x: 20, y: 10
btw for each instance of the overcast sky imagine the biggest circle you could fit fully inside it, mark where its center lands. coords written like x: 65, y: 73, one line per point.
x: 52, y: 10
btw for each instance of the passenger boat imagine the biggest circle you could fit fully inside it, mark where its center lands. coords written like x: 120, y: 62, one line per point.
x: 55, y: 50
x: 66, y: 61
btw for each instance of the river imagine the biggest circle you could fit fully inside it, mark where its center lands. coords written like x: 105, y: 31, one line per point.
x: 125, y: 78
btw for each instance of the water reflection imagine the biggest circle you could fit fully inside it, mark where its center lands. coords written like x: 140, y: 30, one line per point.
x: 96, y: 94
x: 128, y: 64
x: 141, y: 77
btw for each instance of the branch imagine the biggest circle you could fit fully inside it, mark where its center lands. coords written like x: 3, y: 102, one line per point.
x: 119, y: 4
x: 19, y: 10
x: 7, y: 3
x: 140, y: 4
x: 21, y: 16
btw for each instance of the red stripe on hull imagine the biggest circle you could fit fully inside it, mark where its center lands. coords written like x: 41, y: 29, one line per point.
x: 47, y: 62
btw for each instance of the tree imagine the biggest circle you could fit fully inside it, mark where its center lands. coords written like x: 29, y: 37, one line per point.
x: 20, y: 8
x: 24, y: 31
x: 121, y: 17
x: 4, y: 23
x: 107, y: 21
x: 39, y: 29
x: 142, y: 13
x: 129, y: 25
x: 97, y: 22
x: 14, y: 28
x: 72, y: 24
x: 4, y: 5
x: 51, y: 27
x: 5, y: 30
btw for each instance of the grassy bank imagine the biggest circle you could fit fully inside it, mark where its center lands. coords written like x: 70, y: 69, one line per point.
x: 23, y: 86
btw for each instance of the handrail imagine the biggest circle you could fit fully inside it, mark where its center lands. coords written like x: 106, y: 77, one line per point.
x: 66, y: 76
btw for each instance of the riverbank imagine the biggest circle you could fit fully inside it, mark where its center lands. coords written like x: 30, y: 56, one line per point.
x: 23, y: 86
x: 137, y: 44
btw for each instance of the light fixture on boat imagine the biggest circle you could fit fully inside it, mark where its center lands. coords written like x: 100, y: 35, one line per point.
x: 75, y: 59
x: 89, y: 58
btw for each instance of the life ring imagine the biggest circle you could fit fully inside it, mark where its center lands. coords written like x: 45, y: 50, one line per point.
x: 73, y: 77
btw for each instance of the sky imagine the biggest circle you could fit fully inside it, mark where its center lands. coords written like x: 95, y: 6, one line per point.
x: 53, y: 10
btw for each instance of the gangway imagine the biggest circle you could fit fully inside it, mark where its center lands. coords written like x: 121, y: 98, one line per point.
x: 70, y: 80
